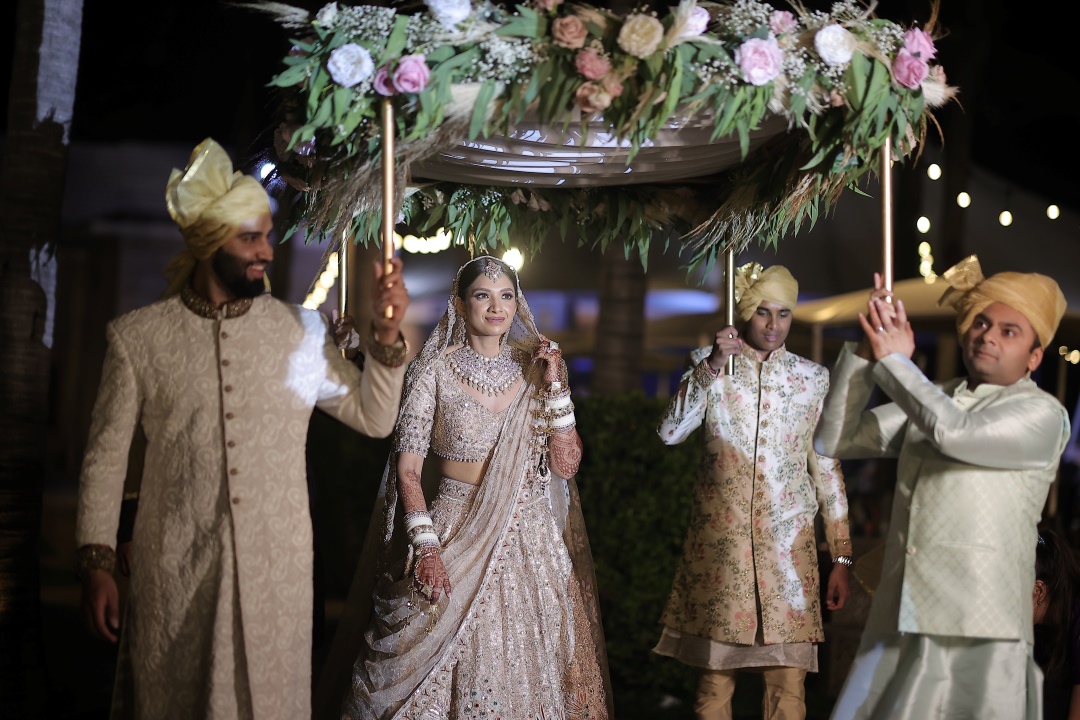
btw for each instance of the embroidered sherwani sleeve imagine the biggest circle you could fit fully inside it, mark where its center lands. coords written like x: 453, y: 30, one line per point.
x: 828, y: 481
x: 686, y: 411
x: 1024, y: 434
x: 847, y: 430
x: 112, y: 427
x: 365, y: 401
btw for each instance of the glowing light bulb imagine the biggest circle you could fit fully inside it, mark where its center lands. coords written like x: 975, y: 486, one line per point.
x: 1005, y: 218
x: 963, y: 199
x: 933, y: 171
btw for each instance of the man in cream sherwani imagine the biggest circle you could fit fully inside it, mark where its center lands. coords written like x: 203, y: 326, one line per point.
x: 222, y: 379
x: 950, y: 628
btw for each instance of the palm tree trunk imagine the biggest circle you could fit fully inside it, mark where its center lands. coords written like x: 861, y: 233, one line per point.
x: 45, y: 64
x: 620, y: 328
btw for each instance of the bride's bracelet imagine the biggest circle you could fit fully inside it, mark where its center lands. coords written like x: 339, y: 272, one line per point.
x: 417, y: 517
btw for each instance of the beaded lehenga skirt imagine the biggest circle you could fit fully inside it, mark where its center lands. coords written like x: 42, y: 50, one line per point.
x: 525, y: 650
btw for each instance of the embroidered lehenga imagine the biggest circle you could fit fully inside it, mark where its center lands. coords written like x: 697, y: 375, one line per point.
x: 521, y: 637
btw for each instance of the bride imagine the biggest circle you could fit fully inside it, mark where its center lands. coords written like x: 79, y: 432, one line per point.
x: 482, y: 605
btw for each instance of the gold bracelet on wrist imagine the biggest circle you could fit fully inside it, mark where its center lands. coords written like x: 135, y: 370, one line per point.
x: 391, y: 356
x: 94, y: 557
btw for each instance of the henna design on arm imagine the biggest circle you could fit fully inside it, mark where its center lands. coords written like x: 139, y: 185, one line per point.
x: 565, y: 453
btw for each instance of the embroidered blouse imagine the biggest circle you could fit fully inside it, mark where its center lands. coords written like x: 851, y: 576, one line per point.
x: 441, y: 414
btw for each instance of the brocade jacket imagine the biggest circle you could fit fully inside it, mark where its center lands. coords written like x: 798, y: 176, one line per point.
x: 751, y: 540
x: 221, y: 567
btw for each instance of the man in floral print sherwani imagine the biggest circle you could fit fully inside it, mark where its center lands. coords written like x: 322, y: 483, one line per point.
x: 746, y: 593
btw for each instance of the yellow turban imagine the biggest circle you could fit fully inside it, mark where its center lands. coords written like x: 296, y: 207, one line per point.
x: 209, y: 202
x: 755, y: 285
x: 1035, y: 296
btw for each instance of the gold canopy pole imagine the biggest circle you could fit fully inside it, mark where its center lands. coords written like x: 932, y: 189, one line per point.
x: 343, y: 278
x: 389, y: 212
x: 886, y: 216
x: 729, y: 299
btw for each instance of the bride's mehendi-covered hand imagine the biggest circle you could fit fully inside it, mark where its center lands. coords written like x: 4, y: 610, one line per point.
x: 551, y: 356
x: 431, y: 573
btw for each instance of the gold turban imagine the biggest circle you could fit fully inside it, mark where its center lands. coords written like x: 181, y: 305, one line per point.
x: 209, y: 201
x: 755, y: 285
x: 1035, y: 296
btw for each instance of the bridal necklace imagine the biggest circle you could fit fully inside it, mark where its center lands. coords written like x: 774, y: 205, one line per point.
x: 491, y: 376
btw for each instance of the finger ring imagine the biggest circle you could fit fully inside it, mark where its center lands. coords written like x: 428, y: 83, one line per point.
x: 880, y: 329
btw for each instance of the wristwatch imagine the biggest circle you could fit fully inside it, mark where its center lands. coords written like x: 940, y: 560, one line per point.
x: 844, y: 560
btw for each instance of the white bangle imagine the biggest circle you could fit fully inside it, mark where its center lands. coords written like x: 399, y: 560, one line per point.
x: 559, y: 402
x: 425, y: 537
x: 565, y: 421
x: 424, y: 519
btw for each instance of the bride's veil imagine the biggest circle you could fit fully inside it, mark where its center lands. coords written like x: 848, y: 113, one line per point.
x: 404, y: 645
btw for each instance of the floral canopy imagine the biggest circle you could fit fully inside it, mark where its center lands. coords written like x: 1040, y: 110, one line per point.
x: 557, y: 114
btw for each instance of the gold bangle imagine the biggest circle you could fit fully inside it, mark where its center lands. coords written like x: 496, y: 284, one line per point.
x: 94, y: 557
x: 391, y: 356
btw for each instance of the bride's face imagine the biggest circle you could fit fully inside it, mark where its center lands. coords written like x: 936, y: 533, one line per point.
x: 489, y: 307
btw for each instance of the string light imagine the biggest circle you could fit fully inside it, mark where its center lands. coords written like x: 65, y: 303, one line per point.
x: 1053, y: 212
x: 933, y: 171
x: 963, y: 199
x: 923, y: 224
x: 1005, y: 218
x: 1072, y: 356
x: 326, y: 281
x: 926, y: 263
x: 417, y: 245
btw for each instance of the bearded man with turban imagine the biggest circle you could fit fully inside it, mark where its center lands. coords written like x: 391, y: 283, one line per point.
x: 746, y: 593
x: 950, y: 628
x: 221, y: 378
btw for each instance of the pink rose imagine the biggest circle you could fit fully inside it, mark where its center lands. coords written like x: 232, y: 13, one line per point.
x: 382, y: 84
x: 592, y: 64
x: 548, y: 5
x: 590, y: 97
x: 613, y: 86
x: 920, y: 44
x: 760, y: 60
x: 782, y: 22
x: 411, y: 75
x: 569, y: 32
x: 699, y: 21
x: 909, y: 70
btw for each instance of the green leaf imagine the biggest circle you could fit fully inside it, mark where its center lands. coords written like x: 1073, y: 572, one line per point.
x: 342, y: 101
x: 527, y: 24
x: 857, y: 72
x: 483, y: 99
x: 396, y: 42
x: 293, y: 76
x: 321, y: 79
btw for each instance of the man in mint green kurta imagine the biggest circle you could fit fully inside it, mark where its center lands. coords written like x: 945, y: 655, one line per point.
x: 950, y: 628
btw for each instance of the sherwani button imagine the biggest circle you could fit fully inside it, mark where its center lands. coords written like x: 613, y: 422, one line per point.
x: 234, y: 471
x: 229, y: 416
x: 228, y: 388
x: 225, y: 363
x: 236, y: 501
x: 911, y: 550
x: 231, y: 443
x: 224, y: 335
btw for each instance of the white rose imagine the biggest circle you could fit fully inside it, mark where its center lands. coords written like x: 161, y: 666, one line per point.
x: 640, y: 35
x: 350, y: 64
x: 449, y: 12
x: 834, y: 44
x: 326, y: 17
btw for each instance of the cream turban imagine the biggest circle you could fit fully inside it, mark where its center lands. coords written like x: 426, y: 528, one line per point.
x: 1035, y: 296
x: 755, y: 285
x: 208, y: 201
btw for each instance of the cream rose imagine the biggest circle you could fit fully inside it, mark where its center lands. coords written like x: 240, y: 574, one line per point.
x: 834, y: 45
x: 350, y: 64
x: 641, y: 35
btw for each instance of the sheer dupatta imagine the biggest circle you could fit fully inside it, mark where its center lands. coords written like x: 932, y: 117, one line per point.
x: 389, y: 638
